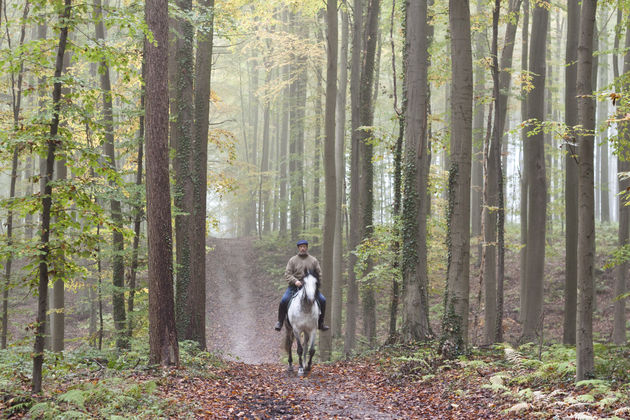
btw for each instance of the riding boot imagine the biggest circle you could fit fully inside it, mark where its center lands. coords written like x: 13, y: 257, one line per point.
x: 320, y: 323
x: 282, y: 314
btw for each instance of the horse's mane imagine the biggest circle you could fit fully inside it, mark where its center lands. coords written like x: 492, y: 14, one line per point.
x: 308, y: 272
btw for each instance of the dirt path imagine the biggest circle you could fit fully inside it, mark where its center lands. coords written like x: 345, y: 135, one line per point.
x: 242, y: 302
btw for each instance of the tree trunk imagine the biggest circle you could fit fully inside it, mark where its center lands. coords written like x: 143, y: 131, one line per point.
x: 415, y: 321
x: 16, y: 102
x: 162, y: 333
x: 623, y: 165
x: 330, y: 176
x: 586, y: 209
x: 571, y: 179
x: 455, y: 322
x: 285, y: 103
x: 137, y: 213
x: 203, y: 72
x: 537, y: 202
x: 479, y: 75
x: 355, y: 168
x: 524, y: 169
x: 602, y: 110
x: 340, y: 123
x: 366, y: 194
x: 118, y: 243
x: 46, y: 197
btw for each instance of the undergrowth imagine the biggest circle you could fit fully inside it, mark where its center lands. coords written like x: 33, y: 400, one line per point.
x: 86, y: 383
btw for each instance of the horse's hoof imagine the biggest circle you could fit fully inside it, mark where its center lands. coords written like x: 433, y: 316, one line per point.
x: 300, y: 372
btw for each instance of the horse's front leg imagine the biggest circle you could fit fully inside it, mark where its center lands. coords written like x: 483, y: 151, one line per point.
x: 288, y: 344
x: 311, y: 352
x: 300, y: 352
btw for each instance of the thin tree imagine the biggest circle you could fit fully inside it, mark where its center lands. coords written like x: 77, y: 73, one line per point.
x: 340, y: 123
x: 203, y: 73
x: 162, y: 333
x: 537, y: 201
x: 330, y: 175
x: 570, y: 179
x: 118, y: 242
x: 16, y: 105
x: 46, y: 197
x: 354, y: 234
x: 524, y: 168
x: 455, y: 322
x: 586, y: 192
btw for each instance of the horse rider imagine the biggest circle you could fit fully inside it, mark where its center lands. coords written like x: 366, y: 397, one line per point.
x: 293, y: 274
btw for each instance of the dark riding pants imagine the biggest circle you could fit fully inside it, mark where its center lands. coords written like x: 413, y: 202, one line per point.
x: 288, y: 294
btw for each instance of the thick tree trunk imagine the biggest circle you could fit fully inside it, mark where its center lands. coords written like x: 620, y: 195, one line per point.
x: 162, y: 333
x: 537, y: 202
x: 182, y: 133
x: 355, y: 168
x: 118, y: 243
x: 586, y: 209
x: 571, y: 179
x: 415, y: 320
x: 46, y: 197
x: 455, y: 322
x: 330, y: 176
x: 340, y: 123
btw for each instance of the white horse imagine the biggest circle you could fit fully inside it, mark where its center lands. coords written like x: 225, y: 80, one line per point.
x: 303, y: 314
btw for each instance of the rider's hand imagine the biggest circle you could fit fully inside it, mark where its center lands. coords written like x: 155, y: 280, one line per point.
x: 298, y: 284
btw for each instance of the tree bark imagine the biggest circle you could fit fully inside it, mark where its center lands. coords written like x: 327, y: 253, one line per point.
x: 340, y: 123
x: 355, y: 168
x: 537, y: 202
x: 455, y: 322
x: 415, y: 321
x: 571, y: 178
x: 118, y: 243
x: 46, y: 197
x: 586, y: 208
x: 524, y: 193
x: 602, y: 111
x: 330, y: 176
x: 162, y: 333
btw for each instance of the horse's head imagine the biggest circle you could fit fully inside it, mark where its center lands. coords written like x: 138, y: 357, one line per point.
x: 310, y: 286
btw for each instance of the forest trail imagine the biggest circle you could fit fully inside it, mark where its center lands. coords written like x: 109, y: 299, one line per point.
x: 242, y: 307
x: 254, y: 383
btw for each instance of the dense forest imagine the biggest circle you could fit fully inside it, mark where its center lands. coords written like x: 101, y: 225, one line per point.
x: 460, y: 169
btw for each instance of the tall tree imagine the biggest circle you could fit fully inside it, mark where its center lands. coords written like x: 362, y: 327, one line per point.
x: 162, y: 333
x: 16, y: 105
x: 602, y: 116
x: 330, y: 175
x: 46, y: 197
x: 455, y: 322
x: 203, y: 72
x: 570, y: 179
x: 182, y: 133
x: 415, y: 320
x: 366, y: 117
x: 537, y: 201
x: 354, y: 236
x: 524, y: 167
x: 340, y: 127
x: 118, y: 242
x: 586, y: 190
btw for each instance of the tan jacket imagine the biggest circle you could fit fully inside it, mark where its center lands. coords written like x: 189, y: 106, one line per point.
x: 297, y: 265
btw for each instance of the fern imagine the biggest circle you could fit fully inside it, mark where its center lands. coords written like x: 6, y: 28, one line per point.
x: 74, y: 396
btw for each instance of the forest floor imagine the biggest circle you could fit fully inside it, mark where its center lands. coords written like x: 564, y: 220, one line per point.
x: 254, y: 381
x: 245, y: 375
